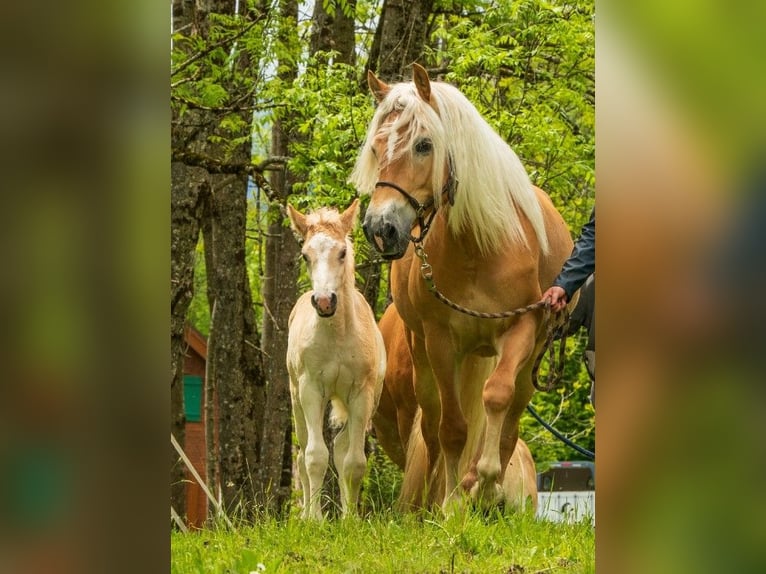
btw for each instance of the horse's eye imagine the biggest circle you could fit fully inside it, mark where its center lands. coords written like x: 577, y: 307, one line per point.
x: 423, y: 146
x: 342, y: 255
x: 305, y: 258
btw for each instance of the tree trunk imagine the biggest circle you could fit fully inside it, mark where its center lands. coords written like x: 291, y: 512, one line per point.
x: 234, y: 370
x: 334, y: 32
x: 279, y: 296
x: 402, y: 28
x: 184, y: 231
x: 227, y: 353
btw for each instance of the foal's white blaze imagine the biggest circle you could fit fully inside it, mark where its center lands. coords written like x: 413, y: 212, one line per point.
x: 327, y: 269
x: 326, y: 266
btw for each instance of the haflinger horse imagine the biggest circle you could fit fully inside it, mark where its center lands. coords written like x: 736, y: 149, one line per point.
x: 335, y: 354
x: 442, y: 180
x: 398, y: 430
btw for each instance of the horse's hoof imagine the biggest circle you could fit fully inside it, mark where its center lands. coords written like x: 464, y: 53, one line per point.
x: 487, y: 495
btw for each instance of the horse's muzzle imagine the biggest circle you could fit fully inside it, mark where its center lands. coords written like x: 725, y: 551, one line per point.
x: 386, y: 238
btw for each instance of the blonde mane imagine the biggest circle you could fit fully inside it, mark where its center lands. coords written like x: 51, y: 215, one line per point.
x: 493, y: 184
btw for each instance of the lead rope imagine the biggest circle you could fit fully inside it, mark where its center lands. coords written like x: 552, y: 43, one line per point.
x: 556, y: 325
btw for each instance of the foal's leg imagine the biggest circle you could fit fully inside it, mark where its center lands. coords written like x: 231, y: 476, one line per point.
x: 503, y: 398
x: 354, y: 462
x: 340, y: 449
x: 316, y: 454
x: 301, y: 432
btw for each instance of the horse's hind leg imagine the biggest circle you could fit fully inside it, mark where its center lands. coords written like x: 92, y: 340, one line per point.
x: 504, y: 401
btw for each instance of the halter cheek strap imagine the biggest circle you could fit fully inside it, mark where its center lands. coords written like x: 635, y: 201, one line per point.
x: 420, y: 209
x: 450, y: 186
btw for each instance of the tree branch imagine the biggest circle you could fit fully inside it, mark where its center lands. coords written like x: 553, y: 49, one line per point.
x: 186, y: 63
x: 256, y: 171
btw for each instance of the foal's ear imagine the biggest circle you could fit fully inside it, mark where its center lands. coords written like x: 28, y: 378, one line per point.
x: 297, y: 221
x: 348, y: 217
x: 422, y: 83
x: 379, y: 88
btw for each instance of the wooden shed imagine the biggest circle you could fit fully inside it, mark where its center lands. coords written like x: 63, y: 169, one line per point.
x: 195, y: 360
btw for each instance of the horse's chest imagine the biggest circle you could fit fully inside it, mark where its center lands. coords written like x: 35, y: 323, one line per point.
x: 478, y: 337
x: 333, y: 362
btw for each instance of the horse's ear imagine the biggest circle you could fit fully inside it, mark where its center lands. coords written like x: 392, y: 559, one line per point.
x: 422, y: 83
x: 297, y: 221
x: 348, y: 217
x: 379, y: 88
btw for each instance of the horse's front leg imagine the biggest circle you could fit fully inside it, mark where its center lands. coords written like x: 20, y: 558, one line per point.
x: 504, y: 401
x: 453, y: 429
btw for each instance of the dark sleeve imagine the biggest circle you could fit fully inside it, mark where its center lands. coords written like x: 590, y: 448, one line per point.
x: 582, y: 262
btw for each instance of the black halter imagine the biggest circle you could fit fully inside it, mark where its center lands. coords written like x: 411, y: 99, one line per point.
x: 450, y: 186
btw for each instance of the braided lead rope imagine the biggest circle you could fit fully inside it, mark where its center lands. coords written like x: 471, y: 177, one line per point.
x: 556, y: 325
x: 555, y: 330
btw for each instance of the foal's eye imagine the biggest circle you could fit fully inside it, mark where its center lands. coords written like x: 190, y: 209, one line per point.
x: 342, y: 254
x: 423, y: 146
x: 305, y: 258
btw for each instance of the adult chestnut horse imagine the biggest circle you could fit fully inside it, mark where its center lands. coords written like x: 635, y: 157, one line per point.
x: 443, y: 179
x: 398, y: 430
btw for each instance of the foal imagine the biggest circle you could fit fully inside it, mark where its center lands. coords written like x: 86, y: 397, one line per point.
x: 335, y: 354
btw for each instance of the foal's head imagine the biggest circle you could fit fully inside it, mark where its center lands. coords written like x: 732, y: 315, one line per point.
x: 327, y: 251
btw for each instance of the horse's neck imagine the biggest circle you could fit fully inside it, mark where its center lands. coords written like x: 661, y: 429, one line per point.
x: 442, y: 240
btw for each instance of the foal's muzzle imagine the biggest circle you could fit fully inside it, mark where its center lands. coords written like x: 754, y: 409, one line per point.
x: 325, y: 305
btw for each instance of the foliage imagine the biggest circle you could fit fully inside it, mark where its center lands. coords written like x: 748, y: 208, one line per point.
x: 381, y: 483
x: 389, y: 542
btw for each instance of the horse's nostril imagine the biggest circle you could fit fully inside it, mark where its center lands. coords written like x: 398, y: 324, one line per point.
x: 333, y: 299
x: 388, y: 231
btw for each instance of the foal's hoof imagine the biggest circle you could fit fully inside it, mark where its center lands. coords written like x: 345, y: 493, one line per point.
x: 453, y: 505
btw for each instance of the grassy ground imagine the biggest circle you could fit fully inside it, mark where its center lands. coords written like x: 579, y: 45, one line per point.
x: 382, y: 543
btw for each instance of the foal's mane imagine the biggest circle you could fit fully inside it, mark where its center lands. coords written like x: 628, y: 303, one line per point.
x: 326, y: 219
x: 493, y: 184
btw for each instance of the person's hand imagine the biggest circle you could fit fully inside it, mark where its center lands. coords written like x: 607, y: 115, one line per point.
x: 557, y: 297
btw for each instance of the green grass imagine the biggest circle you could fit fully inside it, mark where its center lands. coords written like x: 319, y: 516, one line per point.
x: 382, y: 543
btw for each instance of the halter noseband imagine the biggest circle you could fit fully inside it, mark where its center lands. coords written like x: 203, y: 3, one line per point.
x: 450, y: 186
